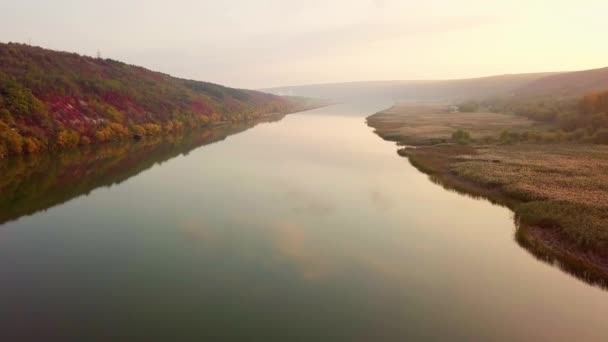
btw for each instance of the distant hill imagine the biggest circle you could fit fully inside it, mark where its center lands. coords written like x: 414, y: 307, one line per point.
x: 567, y: 84
x: 558, y: 84
x: 441, y: 90
x: 55, y: 100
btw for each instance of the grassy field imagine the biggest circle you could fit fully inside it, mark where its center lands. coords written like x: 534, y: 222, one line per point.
x: 558, y: 192
x: 431, y: 124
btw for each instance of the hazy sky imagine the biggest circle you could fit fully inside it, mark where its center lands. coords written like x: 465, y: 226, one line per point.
x: 248, y: 43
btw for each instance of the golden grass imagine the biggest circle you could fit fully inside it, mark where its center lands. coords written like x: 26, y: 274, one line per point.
x: 560, y: 185
x: 571, y: 173
x: 428, y: 124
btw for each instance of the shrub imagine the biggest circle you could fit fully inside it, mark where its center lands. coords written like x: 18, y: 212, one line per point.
x: 169, y: 127
x: 508, y: 137
x: 569, y: 121
x: 114, y: 114
x: 138, y: 131
x: 31, y: 145
x: 469, y: 107
x: 599, y: 121
x: 205, y: 120
x: 12, y: 141
x: 577, y: 135
x: 548, y: 137
x: 461, y: 137
x: 118, y: 130
x: 67, y: 139
x: 178, y: 126
x: 102, y: 135
x: 84, y: 140
x: 152, y: 129
x: 6, y: 117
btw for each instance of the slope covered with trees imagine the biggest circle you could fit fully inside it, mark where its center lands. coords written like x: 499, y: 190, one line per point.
x: 56, y: 100
x: 573, y: 105
x: 565, y: 118
x: 567, y: 84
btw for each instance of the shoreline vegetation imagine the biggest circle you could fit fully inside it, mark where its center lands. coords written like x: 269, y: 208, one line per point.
x: 55, y: 101
x: 557, y: 190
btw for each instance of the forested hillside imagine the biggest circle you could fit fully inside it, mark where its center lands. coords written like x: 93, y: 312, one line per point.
x: 567, y: 84
x: 568, y: 118
x: 574, y: 105
x: 55, y: 100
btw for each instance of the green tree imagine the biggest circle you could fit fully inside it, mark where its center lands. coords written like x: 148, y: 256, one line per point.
x: 461, y: 137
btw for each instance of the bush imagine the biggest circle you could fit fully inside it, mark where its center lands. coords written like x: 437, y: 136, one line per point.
x: 469, y: 107
x: 152, y: 129
x: 67, y: 139
x: 508, y: 137
x: 169, y: 127
x: 12, y: 141
x: 118, y: 130
x: 461, y: 137
x: 569, y: 121
x: 103, y: 134
x: 599, y: 121
x: 138, y: 131
x: 577, y: 135
x: 549, y: 137
x: 6, y: 117
x: 31, y: 145
x: 19, y: 99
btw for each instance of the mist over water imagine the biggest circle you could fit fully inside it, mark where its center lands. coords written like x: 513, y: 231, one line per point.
x: 310, y: 228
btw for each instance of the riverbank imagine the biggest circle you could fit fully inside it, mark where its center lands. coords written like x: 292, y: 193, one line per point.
x: 558, y: 192
x: 116, y: 133
x: 65, y: 100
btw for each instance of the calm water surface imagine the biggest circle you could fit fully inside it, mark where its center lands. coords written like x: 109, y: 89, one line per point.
x: 307, y: 229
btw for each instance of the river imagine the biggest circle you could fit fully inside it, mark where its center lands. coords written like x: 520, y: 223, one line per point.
x: 310, y: 228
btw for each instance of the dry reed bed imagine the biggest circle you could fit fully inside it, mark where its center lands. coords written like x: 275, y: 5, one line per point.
x: 429, y: 124
x: 564, y: 186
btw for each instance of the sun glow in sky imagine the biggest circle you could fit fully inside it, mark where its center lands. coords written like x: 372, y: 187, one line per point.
x: 263, y: 43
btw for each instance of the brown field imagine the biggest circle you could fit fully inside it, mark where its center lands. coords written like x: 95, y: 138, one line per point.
x: 429, y: 124
x: 558, y: 185
x: 558, y: 192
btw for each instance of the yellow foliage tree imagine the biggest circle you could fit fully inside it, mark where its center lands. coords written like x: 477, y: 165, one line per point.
x: 67, y: 138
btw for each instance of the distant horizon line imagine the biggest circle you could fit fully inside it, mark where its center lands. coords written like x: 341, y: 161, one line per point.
x: 427, y: 80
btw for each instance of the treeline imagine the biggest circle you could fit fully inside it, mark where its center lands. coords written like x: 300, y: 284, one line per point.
x: 55, y: 100
x: 566, y: 119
